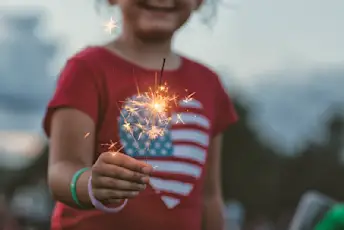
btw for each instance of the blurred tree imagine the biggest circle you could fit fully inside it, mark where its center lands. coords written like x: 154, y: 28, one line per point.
x: 250, y: 170
x: 27, y: 175
x: 29, y: 183
x: 269, y: 184
x: 318, y: 167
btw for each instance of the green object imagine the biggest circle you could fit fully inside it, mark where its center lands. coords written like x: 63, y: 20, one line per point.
x: 75, y: 179
x: 333, y: 219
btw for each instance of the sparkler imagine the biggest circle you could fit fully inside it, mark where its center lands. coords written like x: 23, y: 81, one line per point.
x: 151, y: 110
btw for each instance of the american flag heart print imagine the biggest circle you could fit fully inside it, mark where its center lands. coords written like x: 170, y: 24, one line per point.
x: 179, y: 154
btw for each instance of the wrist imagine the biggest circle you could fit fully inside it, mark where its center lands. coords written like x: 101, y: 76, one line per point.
x: 81, y: 192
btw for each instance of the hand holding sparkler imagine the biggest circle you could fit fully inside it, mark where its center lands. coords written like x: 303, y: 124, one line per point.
x: 116, y: 176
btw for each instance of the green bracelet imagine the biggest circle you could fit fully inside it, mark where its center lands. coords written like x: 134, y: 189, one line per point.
x: 75, y: 179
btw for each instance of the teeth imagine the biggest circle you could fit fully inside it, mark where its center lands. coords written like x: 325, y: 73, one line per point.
x: 161, y: 3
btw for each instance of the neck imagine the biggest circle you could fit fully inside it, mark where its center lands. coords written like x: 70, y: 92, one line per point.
x: 146, y: 52
x: 161, y: 48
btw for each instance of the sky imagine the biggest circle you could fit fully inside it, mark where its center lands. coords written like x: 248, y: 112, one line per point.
x: 253, y: 43
x: 249, y: 39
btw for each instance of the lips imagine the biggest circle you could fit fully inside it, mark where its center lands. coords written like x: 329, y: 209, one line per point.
x: 158, y: 5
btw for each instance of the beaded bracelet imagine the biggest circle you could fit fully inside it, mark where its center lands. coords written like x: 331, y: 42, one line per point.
x: 73, y: 191
x: 98, y: 205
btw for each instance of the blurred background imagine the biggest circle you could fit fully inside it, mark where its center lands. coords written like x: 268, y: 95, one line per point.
x: 282, y: 62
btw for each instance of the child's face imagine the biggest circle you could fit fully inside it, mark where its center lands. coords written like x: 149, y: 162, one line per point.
x: 155, y: 19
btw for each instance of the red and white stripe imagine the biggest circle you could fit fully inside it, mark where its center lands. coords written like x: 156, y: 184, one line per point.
x: 175, y: 176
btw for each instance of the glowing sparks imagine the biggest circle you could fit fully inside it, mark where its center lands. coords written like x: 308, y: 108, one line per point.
x: 112, y: 147
x: 110, y: 25
x: 151, y: 111
x: 188, y: 98
x: 148, y: 115
x: 155, y: 104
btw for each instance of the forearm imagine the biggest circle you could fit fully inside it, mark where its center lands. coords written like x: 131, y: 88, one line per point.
x: 213, y: 218
x: 60, y: 177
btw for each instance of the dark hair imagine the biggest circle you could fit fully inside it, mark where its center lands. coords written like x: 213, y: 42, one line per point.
x: 209, y: 10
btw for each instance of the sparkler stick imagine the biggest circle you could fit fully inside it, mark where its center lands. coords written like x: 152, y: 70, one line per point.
x: 162, y: 71
x: 160, y: 81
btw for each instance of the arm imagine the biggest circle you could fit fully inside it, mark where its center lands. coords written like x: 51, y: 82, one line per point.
x: 72, y: 112
x: 213, y: 203
x: 69, y: 152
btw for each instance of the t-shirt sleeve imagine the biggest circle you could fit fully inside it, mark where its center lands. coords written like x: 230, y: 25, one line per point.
x: 76, y: 88
x: 225, y: 113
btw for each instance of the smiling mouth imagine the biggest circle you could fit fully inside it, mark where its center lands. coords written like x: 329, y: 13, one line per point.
x: 158, y: 8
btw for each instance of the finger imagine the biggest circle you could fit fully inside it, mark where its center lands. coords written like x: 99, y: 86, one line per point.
x: 110, y: 183
x: 109, y: 194
x: 128, y: 162
x: 112, y: 201
x: 116, y: 172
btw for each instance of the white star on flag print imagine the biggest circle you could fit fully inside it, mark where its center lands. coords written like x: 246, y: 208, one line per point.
x: 180, y: 152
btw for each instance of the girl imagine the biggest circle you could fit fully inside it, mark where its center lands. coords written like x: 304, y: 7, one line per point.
x: 101, y: 189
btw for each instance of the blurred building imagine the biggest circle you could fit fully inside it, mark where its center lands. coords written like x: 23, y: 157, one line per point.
x: 25, y: 88
x: 25, y: 85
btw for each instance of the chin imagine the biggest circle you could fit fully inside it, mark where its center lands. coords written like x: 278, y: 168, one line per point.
x: 156, y: 32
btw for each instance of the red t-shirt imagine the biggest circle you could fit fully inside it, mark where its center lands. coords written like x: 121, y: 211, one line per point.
x: 95, y: 81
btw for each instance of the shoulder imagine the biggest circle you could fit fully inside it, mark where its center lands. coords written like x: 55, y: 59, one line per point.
x: 87, y: 63
x: 196, y: 66
x: 90, y: 55
x: 203, y: 72
x: 83, y: 66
